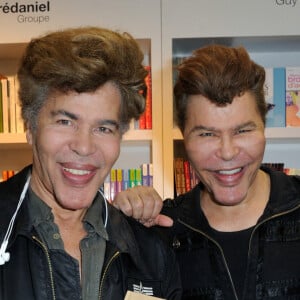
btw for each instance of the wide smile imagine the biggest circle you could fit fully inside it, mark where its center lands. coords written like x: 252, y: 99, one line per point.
x: 77, y: 171
x: 78, y: 175
x: 229, y: 177
x: 230, y: 172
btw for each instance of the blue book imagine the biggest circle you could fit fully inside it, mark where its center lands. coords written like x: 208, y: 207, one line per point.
x: 275, y: 97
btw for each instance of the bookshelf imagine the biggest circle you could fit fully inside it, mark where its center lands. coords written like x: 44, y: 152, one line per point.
x: 141, y: 18
x: 167, y: 29
x: 270, y: 37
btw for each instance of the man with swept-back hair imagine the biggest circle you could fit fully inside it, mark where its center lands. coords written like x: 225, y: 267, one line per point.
x: 236, y: 235
x: 79, y: 89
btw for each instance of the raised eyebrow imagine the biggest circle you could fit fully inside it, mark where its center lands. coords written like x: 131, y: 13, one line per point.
x: 64, y: 113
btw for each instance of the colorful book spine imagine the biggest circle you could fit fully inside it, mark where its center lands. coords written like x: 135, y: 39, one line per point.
x: 275, y: 97
x: 145, y: 120
x: 293, y: 96
x: 1, y: 110
x: 145, y: 174
x: 119, y: 180
x: 5, y: 106
x: 187, y: 175
x: 131, y: 175
x: 138, y: 177
x: 12, y: 104
x: 148, y: 106
x: 113, y: 183
x: 125, y: 180
x: 179, y: 176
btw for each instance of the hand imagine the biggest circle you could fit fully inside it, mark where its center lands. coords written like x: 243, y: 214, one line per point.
x: 144, y: 204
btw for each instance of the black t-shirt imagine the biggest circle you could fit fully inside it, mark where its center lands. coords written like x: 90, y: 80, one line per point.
x: 235, y: 247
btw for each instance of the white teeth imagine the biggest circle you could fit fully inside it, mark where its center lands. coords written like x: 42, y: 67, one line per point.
x: 230, y: 172
x: 77, y: 172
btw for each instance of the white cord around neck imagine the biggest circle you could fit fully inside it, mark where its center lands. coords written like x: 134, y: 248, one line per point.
x: 106, y: 209
x: 5, y: 256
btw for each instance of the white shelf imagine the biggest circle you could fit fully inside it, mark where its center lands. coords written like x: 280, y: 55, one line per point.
x: 273, y: 40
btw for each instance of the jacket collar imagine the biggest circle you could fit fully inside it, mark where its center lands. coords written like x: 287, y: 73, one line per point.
x: 285, y: 196
x: 118, y: 229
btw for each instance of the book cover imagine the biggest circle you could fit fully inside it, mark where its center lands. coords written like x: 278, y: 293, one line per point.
x: 139, y: 296
x: 293, y: 96
x: 275, y: 97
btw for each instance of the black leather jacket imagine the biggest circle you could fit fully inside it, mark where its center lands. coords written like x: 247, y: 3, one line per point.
x: 273, y: 265
x: 135, y: 256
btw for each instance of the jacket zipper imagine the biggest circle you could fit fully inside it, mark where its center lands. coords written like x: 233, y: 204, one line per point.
x: 250, y: 241
x: 117, y: 254
x: 49, y: 265
x: 268, y: 219
x: 222, y: 253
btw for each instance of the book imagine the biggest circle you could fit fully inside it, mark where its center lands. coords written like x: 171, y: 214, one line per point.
x: 125, y: 184
x: 138, y: 296
x: 113, y: 183
x: 12, y: 104
x: 138, y: 177
x: 148, y: 105
x: 119, y: 180
x: 187, y: 175
x: 179, y: 176
x: 275, y: 97
x: 131, y: 177
x: 291, y: 171
x: 1, y: 111
x: 147, y: 174
x: 293, y: 96
x: 145, y: 120
x: 5, y: 107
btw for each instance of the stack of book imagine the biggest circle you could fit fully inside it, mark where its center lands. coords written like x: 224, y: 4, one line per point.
x: 10, y: 109
x: 122, y: 179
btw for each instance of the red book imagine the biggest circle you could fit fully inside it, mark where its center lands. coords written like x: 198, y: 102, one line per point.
x: 148, y: 106
x: 187, y: 175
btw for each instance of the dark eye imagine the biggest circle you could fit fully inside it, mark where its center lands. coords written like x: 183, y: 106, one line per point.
x: 244, y: 130
x: 105, y: 129
x: 206, y: 134
x: 64, y: 122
